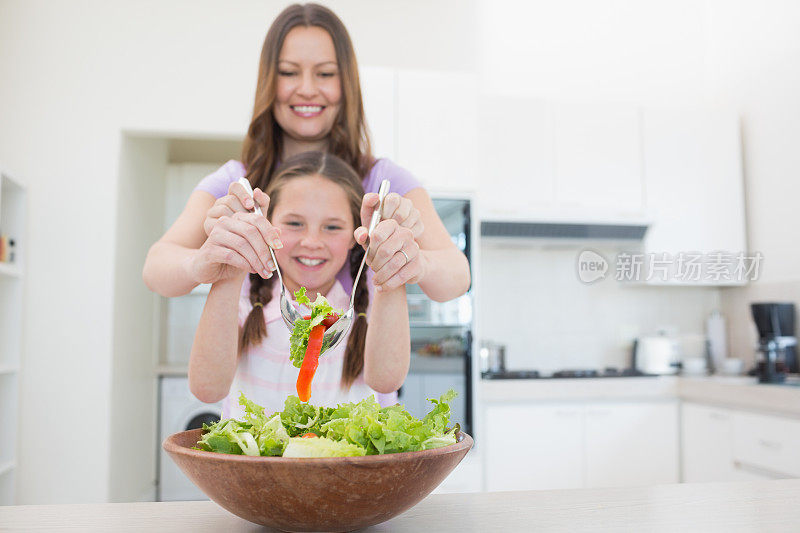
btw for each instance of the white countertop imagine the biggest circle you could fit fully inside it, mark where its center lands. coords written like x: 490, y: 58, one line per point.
x: 708, y: 507
x: 734, y: 391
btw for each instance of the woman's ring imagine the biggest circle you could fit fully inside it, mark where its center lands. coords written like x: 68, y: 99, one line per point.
x: 406, y: 256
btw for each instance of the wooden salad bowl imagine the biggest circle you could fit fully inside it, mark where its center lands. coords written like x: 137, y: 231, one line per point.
x: 315, y: 494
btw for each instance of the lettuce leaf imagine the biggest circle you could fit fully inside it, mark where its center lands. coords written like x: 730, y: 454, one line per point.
x: 256, y: 435
x: 321, y: 447
x: 301, y: 417
x: 298, y: 340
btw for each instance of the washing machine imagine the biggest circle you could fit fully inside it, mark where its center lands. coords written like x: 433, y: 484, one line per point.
x: 179, y: 410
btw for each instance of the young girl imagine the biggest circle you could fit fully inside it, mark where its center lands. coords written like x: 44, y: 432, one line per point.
x: 242, y: 344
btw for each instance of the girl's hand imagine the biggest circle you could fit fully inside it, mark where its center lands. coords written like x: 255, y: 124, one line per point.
x: 393, y: 254
x: 236, y: 201
x: 395, y: 207
x: 237, y: 244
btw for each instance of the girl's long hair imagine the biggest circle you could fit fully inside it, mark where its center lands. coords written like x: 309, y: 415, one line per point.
x: 330, y: 167
x: 349, y: 137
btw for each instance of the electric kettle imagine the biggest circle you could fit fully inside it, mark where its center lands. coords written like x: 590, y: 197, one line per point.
x: 656, y: 355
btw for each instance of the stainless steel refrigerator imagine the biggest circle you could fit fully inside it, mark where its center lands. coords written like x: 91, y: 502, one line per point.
x: 442, y: 332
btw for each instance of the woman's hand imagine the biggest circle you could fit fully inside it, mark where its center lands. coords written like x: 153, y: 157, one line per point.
x: 236, y: 201
x: 237, y: 244
x: 395, y: 207
x: 393, y: 254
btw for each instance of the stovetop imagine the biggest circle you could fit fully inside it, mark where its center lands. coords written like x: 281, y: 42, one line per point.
x: 608, y: 372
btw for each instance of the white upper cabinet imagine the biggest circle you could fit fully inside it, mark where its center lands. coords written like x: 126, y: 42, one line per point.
x: 437, y: 128
x: 517, y: 163
x: 558, y: 162
x: 378, y: 93
x: 598, y: 158
x: 693, y: 182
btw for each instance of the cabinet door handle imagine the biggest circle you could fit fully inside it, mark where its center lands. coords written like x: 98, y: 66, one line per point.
x: 771, y: 444
x: 718, y: 416
x: 760, y: 471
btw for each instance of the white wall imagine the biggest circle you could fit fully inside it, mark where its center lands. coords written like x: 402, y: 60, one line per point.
x: 535, y: 304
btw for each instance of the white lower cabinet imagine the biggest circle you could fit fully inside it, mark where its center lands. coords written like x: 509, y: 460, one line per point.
x: 531, y: 446
x: 551, y: 446
x: 630, y: 444
x: 720, y: 444
x: 706, y: 444
x: 766, y: 445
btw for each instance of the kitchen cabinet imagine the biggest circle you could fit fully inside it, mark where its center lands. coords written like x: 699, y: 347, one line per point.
x: 631, y: 444
x: 13, y: 198
x: 542, y: 160
x: 694, y: 190
x: 766, y: 444
x: 436, y: 123
x: 706, y: 444
x: 598, y: 158
x: 581, y: 444
x: 532, y: 446
x: 724, y: 444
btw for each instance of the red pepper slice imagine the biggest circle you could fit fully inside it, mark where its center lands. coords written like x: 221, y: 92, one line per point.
x: 309, y: 435
x: 310, y: 362
x: 330, y: 320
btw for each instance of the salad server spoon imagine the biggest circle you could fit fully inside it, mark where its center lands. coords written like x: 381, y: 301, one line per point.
x: 288, y: 312
x: 337, y: 331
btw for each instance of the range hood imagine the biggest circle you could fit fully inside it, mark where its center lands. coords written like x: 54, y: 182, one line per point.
x: 519, y: 229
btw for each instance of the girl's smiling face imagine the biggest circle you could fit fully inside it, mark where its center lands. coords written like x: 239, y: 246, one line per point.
x: 309, y: 89
x: 316, y: 225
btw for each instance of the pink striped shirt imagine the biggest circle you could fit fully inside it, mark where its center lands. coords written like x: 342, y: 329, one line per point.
x: 266, y: 376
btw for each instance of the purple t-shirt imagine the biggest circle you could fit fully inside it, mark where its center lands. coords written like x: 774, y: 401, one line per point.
x: 401, y: 181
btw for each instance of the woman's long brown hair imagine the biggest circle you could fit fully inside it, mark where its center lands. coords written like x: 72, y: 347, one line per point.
x: 330, y: 167
x: 349, y: 137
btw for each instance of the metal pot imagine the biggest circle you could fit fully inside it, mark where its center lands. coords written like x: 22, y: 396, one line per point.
x: 493, y: 357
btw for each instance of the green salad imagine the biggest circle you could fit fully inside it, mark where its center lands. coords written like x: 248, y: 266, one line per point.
x: 349, y: 429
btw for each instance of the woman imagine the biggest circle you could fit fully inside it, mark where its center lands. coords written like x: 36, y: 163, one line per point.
x: 308, y: 97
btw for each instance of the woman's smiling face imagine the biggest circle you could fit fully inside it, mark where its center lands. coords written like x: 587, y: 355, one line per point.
x: 316, y: 225
x: 309, y: 88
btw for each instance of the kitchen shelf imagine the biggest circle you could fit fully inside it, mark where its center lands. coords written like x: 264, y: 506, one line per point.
x: 11, y: 270
x: 436, y: 364
x: 13, y: 203
x: 6, y: 467
x: 8, y: 369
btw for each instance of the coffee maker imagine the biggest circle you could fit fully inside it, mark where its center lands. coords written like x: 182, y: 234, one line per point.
x: 777, y: 343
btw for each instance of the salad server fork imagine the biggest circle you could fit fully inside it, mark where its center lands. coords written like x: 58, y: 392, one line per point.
x: 288, y: 312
